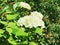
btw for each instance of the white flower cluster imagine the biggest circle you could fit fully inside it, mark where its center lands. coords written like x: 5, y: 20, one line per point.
x: 22, y: 4
x: 33, y: 20
x: 25, y: 5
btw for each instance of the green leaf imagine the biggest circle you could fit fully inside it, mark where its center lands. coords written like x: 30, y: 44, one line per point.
x: 25, y: 42
x: 8, y: 11
x: 58, y: 8
x: 21, y: 32
x: 3, y: 22
x: 1, y: 32
x: 38, y: 31
x: 33, y: 43
x: 1, y: 35
x: 11, y: 40
x: 11, y: 24
x: 11, y: 16
x: 13, y: 28
x: 9, y: 30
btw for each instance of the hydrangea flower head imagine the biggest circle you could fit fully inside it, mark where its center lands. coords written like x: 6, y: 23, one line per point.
x: 33, y: 20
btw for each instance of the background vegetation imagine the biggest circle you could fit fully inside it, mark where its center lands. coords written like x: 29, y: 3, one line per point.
x: 11, y: 34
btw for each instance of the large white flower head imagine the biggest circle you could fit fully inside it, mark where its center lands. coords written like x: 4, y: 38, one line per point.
x: 33, y: 20
x: 25, y: 5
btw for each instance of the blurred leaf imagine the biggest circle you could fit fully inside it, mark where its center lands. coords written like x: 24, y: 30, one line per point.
x: 3, y: 22
x: 38, y: 31
x: 8, y: 11
x: 58, y: 8
x: 11, y: 17
x: 11, y: 24
x: 21, y: 32
x: 9, y: 30
x: 33, y: 43
x: 13, y: 28
x: 1, y: 32
x: 25, y: 42
x: 1, y: 35
x: 11, y: 40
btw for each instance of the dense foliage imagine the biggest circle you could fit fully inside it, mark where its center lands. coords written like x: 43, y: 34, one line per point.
x: 11, y: 34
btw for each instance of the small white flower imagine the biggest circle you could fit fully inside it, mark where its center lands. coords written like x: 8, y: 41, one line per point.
x: 25, y: 5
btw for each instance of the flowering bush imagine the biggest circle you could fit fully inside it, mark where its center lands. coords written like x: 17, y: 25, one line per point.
x: 29, y: 22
